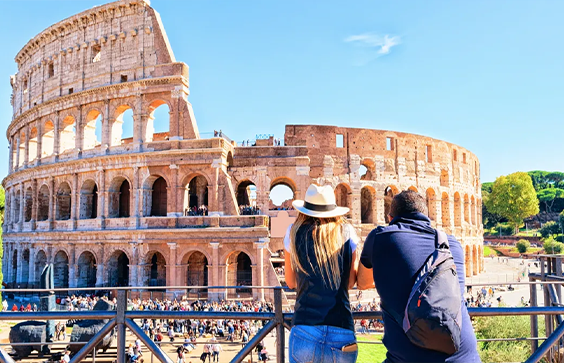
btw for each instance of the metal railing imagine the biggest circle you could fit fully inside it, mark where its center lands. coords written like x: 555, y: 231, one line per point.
x: 122, y: 319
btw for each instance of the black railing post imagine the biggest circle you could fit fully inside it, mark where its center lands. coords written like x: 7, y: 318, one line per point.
x: 534, y: 318
x: 279, y: 317
x: 120, y: 321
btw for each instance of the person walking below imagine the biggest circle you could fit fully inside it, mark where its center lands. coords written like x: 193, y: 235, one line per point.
x: 392, y: 259
x: 320, y: 255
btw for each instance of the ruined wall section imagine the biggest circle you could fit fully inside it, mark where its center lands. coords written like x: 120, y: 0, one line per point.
x: 112, y: 43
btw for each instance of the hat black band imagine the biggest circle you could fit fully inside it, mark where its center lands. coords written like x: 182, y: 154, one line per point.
x: 319, y: 207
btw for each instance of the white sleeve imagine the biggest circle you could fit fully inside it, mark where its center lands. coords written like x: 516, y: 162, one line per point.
x: 287, y: 238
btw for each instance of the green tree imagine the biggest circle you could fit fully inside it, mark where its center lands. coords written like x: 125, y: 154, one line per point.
x: 523, y: 245
x: 549, y: 229
x: 513, y: 197
x: 551, y: 246
x: 548, y: 196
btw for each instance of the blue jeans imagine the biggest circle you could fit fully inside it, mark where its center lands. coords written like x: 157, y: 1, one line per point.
x: 321, y: 344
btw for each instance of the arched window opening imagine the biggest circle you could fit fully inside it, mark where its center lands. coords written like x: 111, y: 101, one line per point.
x: 457, y: 210
x: 40, y: 263
x: 32, y: 145
x: 118, y: 269
x: 468, y: 260
x: 445, y: 210
x: 364, y: 173
x: 475, y: 260
x: 89, y: 200
x: 239, y: 273
x: 67, y: 134
x: 197, y: 273
x: 92, y: 130
x: 158, y: 122
x: 122, y: 127
x: 431, y: 204
x: 17, y: 201
x: 367, y: 196
x: 48, y: 139
x: 413, y: 189
x: 61, y: 269
x: 281, y: 197
x: 444, y: 178
x: 64, y: 202
x: 25, y: 268
x: 43, y: 203
x: 159, y: 198
x: 196, y: 197
x: 86, y: 270
x: 156, y: 269
x: 28, y: 206
x: 473, y: 213
x: 247, y: 198
x: 343, y: 197
x: 119, y: 198
x: 229, y: 159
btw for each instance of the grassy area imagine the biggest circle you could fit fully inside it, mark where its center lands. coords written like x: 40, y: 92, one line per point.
x: 488, y: 251
x: 369, y: 353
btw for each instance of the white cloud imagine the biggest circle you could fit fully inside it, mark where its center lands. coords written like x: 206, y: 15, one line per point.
x: 382, y: 44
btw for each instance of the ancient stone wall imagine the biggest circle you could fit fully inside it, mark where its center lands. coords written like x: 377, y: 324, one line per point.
x: 168, y: 208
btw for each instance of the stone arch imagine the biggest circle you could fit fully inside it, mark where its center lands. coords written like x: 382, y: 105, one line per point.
x: 118, y: 269
x: 40, y: 263
x: 432, y: 203
x: 445, y: 180
x: 413, y: 189
x: 86, y: 270
x: 285, y: 187
x: 32, y: 144
x: 468, y: 260
x: 457, y: 210
x: 43, y: 201
x: 25, y: 267
x: 475, y: 260
x: 28, y: 204
x: 17, y: 201
x: 67, y: 134
x: 244, y: 193
x: 93, y: 122
x: 367, y: 173
x: 197, y: 273
x: 64, y: 202
x: 155, y: 269
x: 343, y: 196
x: 445, y: 210
x: 367, y: 197
x: 157, y: 131
x: 389, y: 194
x: 239, y: 273
x: 195, y: 194
x: 119, y: 198
x: 61, y: 269
x: 123, y: 116
x: 88, y: 200
x: 466, y: 209
x: 48, y: 139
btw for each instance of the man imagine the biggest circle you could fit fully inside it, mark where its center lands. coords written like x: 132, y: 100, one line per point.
x: 390, y: 260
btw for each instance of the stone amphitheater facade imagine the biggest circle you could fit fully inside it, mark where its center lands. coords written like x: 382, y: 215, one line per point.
x: 108, y: 210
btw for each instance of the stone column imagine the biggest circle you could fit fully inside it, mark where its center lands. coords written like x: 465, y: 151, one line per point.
x: 222, y: 280
x: 32, y: 279
x: 174, y: 209
x: 72, y: 265
x: 137, y: 196
x: 101, y: 213
x: 100, y: 265
x: 261, y: 245
x: 106, y: 133
x: 79, y: 137
x: 17, y: 165
x: 380, y: 208
x: 22, y: 207
x: 75, y: 201
x: 11, y: 155
x: 139, y: 120
x: 52, y: 202
x: 56, y: 137
x: 34, y: 203
x: 39, y: 143
x: 438, y: 203
x: 19, y: 271
x: 171, y: 266
x: 214, y: 276
x: 213, y: 189
x: 26, y: 146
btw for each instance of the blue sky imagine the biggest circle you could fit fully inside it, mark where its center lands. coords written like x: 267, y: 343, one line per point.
x: 487, y: 75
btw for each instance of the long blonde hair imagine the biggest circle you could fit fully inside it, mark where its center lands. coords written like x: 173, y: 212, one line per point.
x: 327, y: 235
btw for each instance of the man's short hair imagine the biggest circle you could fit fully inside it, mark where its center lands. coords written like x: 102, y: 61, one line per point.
x: 408, y: 202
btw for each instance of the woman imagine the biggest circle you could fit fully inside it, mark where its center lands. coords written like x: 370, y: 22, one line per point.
x: 320, y: 263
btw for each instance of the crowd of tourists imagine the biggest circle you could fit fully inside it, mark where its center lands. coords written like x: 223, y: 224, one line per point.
x: 196, y: 211
x: 247, y: 210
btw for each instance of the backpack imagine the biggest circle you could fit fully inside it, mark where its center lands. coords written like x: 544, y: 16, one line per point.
x: 432, y: 318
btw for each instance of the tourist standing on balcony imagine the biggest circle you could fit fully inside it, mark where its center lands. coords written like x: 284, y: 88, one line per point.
x: 320, y: 264
x: 391, y: 261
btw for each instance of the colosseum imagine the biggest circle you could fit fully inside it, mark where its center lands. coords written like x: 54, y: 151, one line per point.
x: 173, y: 208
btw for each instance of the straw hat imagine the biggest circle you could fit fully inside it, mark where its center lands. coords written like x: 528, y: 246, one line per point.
x: 319, y: 202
